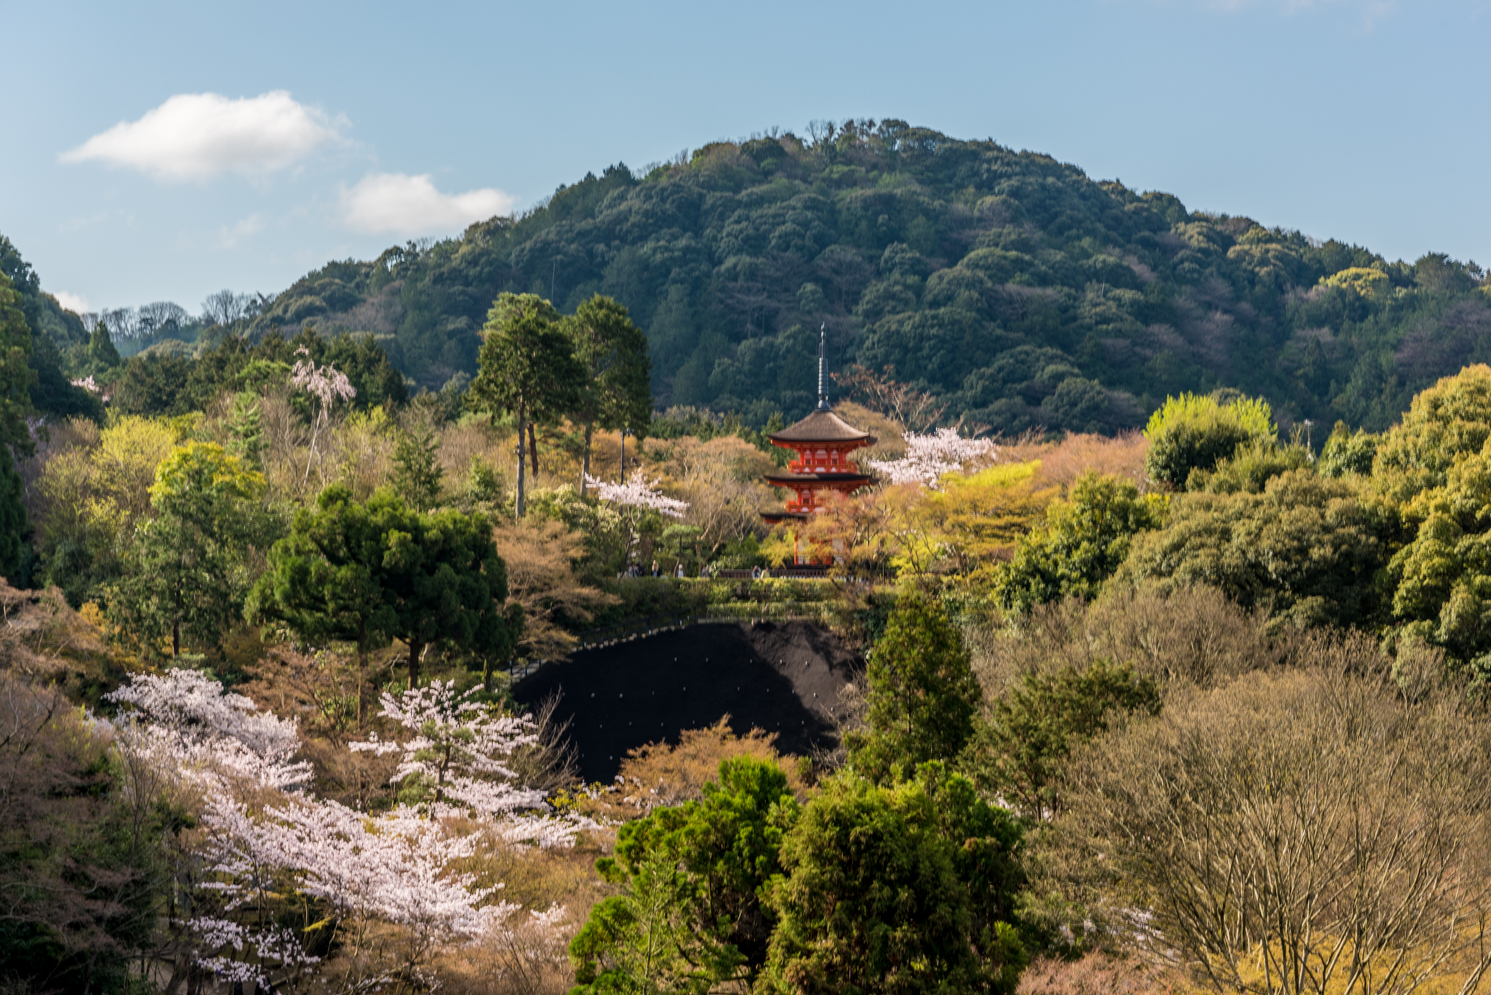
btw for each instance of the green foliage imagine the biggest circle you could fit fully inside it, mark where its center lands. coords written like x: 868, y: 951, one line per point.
x: 354, y: 571
x: 1251, y: 466
x: 612, y: 351
x: 15, y: 375
x: 1190, y: 433
x: 1021, y: 751
x: 1312, y: 548
x: 166, y: 384
x: 689, y: 915
x: 895, y: 889
x: 1448, y: 421
x: 1443, y: 575
x: 528, y: 369
x: 101, y: 349
x: 15, y: 405
x: 1347, y: 452
x: 246, y: 429
x: 680, y: 544
x: 1081, y: 544
x: 14, y: 530
x: 922, y: 694
x: 186, y: 570
x: 418, y: 476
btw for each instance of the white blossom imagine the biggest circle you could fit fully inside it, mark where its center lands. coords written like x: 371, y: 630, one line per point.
x: 930, y: 457
x: 456, y: 750
x: 87, y: 384
x: 638, y: 493
x: 183, y: 720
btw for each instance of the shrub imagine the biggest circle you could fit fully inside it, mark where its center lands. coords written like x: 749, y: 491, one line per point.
x: 1347, y: 452
x: 1445, y: 422
x: 1193, y: 432
x: 905, y: 889
x: 1310, y: 548
x: 1081, y: 544
x: 1250, y: 467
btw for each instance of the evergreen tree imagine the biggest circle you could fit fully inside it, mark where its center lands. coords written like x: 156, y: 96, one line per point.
x: 187, y: 574
x: 418, y: 476
x: 528, y: 368
x: 246, y: 427
x: 922, y: 694
x: 613, y: 354
x: 15, y: 436
x: 905, y: 889
x: 356, y: 571
x: 101, y: 349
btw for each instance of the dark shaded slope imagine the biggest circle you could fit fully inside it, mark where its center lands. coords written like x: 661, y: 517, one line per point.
x: 781, y: 677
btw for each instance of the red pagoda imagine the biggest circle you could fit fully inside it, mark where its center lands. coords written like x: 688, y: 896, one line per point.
x: 822, y: 442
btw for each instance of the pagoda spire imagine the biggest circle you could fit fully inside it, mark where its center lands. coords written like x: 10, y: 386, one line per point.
x: 823, y: 404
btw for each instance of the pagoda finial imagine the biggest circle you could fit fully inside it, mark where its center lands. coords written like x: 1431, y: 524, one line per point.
x: 823, y: 404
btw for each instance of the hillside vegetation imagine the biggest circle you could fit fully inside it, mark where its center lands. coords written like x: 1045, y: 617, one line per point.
x: 1012, y: 286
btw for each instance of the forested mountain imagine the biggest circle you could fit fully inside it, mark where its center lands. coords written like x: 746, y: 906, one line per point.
x: 1008, y: 283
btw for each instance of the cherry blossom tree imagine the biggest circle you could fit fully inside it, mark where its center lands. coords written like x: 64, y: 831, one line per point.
x: 636, y: 497
x: 271, y: 852
x: 930, y: 457
x: 327, y: 385
x: 638, y: 493
x: 358, y: 870
x: 182, y: 721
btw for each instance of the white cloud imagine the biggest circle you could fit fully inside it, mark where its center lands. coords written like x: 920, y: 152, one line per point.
x: 76, y: 303
x: 195, y: 136
x: 228, y: 236
x: 410, y: 205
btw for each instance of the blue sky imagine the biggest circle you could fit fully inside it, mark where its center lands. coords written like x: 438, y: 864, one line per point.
x: 155, y: 151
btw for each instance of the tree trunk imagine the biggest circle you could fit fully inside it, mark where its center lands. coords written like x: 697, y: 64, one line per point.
x: 585, y: 458
x: 415, y: 647
x: 175, y: 638
x: 533, y: 449
x: 362, y: 666
x: 522, y: 425
x: 486, y: 674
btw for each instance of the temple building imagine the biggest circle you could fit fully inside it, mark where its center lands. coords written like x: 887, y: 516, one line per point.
x: 822, y: 442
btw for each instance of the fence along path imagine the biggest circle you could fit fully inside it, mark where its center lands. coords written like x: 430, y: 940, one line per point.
x: 641, y: 628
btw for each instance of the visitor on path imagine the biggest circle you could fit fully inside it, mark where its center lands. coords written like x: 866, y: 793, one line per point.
x: 655, y: 571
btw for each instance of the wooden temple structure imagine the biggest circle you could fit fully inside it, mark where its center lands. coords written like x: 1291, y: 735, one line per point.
x: 822, y: 443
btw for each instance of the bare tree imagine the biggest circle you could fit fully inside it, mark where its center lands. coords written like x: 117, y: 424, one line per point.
x: 916, y: 410
x: 122, y: 322
x: 162, y: 318
x: 226, y: 307
x: 1299, y: 832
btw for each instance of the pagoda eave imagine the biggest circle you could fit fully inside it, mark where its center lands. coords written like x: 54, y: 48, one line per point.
x: 837, y: 479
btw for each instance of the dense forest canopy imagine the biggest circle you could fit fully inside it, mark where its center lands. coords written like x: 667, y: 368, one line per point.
x: 1009, y: 284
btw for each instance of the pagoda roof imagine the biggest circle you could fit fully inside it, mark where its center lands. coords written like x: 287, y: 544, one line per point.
x: 822, y: 426
x: 788, y: 479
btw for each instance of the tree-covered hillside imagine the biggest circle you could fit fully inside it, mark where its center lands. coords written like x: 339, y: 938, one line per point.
x: 1008, y: 283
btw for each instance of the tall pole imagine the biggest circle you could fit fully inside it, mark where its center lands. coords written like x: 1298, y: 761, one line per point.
x: 822, y: 369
